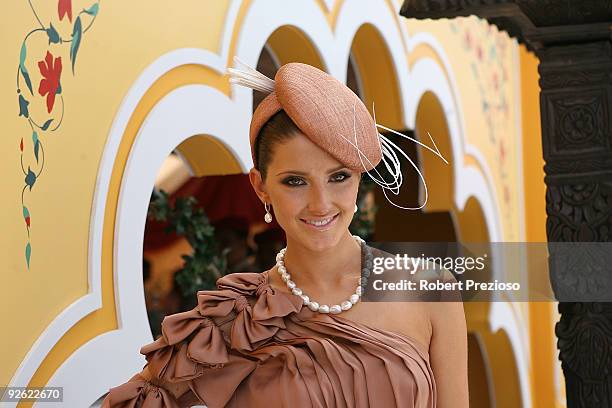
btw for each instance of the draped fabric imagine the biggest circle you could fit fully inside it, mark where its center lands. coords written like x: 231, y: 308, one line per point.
x: 247, y: 344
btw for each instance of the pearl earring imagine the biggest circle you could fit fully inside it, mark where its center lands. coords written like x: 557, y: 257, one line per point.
x: 356, y: 208
x: 268, y: 216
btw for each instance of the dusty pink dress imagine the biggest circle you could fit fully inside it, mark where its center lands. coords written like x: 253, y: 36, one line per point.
x: 250, y: 345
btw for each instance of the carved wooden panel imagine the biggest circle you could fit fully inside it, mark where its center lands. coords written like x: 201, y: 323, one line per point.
x: 580, y: 212
x: 584, y: 333
x: 575, y: 105
x: 579, y: 123
x: 543, y: 13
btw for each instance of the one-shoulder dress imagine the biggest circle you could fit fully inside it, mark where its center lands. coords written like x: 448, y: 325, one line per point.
x: 247, y: 344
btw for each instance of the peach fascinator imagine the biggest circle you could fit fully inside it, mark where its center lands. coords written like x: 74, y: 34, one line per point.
x: 331, y: 116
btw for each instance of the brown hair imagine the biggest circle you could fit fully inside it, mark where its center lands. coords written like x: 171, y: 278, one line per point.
x: 278, y: 129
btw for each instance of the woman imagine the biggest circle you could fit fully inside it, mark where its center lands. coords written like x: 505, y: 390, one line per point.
x: 297, y: 334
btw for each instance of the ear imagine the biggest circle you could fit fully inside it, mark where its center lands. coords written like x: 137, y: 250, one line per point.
x: 258, y: 185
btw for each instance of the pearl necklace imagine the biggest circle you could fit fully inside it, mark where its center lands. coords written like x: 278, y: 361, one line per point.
x: 314, y: 306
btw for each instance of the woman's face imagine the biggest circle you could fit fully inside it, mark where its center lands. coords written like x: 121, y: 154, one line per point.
x: 305, y: 185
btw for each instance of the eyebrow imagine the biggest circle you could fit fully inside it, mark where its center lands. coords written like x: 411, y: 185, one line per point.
x: 301, y: 173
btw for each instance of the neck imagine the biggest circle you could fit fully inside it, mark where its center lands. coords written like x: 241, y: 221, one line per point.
x: 326, y: 270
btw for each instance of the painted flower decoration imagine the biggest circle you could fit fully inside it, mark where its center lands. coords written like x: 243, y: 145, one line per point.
x: 64, y: 7
x: 50, y: 85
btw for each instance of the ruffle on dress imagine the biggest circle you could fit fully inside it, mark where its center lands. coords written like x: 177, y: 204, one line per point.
x: 248, y: 344
x: 138, y: 392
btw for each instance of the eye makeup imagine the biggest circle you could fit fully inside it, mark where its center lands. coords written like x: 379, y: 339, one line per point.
x: 294, y: 181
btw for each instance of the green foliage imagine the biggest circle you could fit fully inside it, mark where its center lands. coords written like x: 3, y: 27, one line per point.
x: 77, y: 33
x: 207, y: 263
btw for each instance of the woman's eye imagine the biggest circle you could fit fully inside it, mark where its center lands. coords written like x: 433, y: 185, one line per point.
x: 293, y: 181
x: 297, y: 181
x: 340, y: 177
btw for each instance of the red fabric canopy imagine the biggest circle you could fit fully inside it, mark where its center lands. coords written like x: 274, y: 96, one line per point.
x: 221, y: 197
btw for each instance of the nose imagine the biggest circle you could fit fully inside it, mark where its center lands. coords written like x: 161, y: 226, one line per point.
x: 319, y: 200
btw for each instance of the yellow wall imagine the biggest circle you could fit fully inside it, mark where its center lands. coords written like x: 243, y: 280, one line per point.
x: 541, y: 314
x: 126, y: 38
x: 484, y: 67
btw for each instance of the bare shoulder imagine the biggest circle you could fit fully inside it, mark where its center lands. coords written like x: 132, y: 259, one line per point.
x: 405, y: 311
x: 424, y: 320
x: 446, y: 315
x: 448, y: 309
x: 448, y: 351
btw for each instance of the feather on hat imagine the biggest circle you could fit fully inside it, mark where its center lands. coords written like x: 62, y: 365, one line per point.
x: 332, y: 117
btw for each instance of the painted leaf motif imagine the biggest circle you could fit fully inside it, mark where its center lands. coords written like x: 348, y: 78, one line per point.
x: 22, y: 68
x: 53, y: 35
x: 22, y: 54
x: 21, y: 145
x: 28, y: 254
x: 26, y: 216
x: 45, y: 126
x: 36, y: 144
x: 23, y: 107
x: 30, y: 179
x: 26, y: 77
x: 76, y: 41
x: 93, y: 10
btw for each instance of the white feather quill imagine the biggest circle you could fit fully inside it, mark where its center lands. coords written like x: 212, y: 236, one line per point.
x: 250, y: 78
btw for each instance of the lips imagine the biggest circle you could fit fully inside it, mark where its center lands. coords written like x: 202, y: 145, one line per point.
x: 321, y: 223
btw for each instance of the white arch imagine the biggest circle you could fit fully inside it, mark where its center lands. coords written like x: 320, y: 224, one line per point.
x: 261, y: 19
x: 177, y: 116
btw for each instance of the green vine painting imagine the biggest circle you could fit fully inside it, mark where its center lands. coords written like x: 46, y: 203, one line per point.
x: 49, y: 88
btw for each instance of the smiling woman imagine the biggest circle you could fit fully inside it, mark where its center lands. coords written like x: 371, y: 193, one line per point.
x: 311, y: 194
x: 259, y: 338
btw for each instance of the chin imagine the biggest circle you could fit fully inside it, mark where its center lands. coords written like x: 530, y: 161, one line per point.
x: 318, y: 244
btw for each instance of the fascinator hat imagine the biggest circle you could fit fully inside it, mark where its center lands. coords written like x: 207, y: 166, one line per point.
x: 331, y: 116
